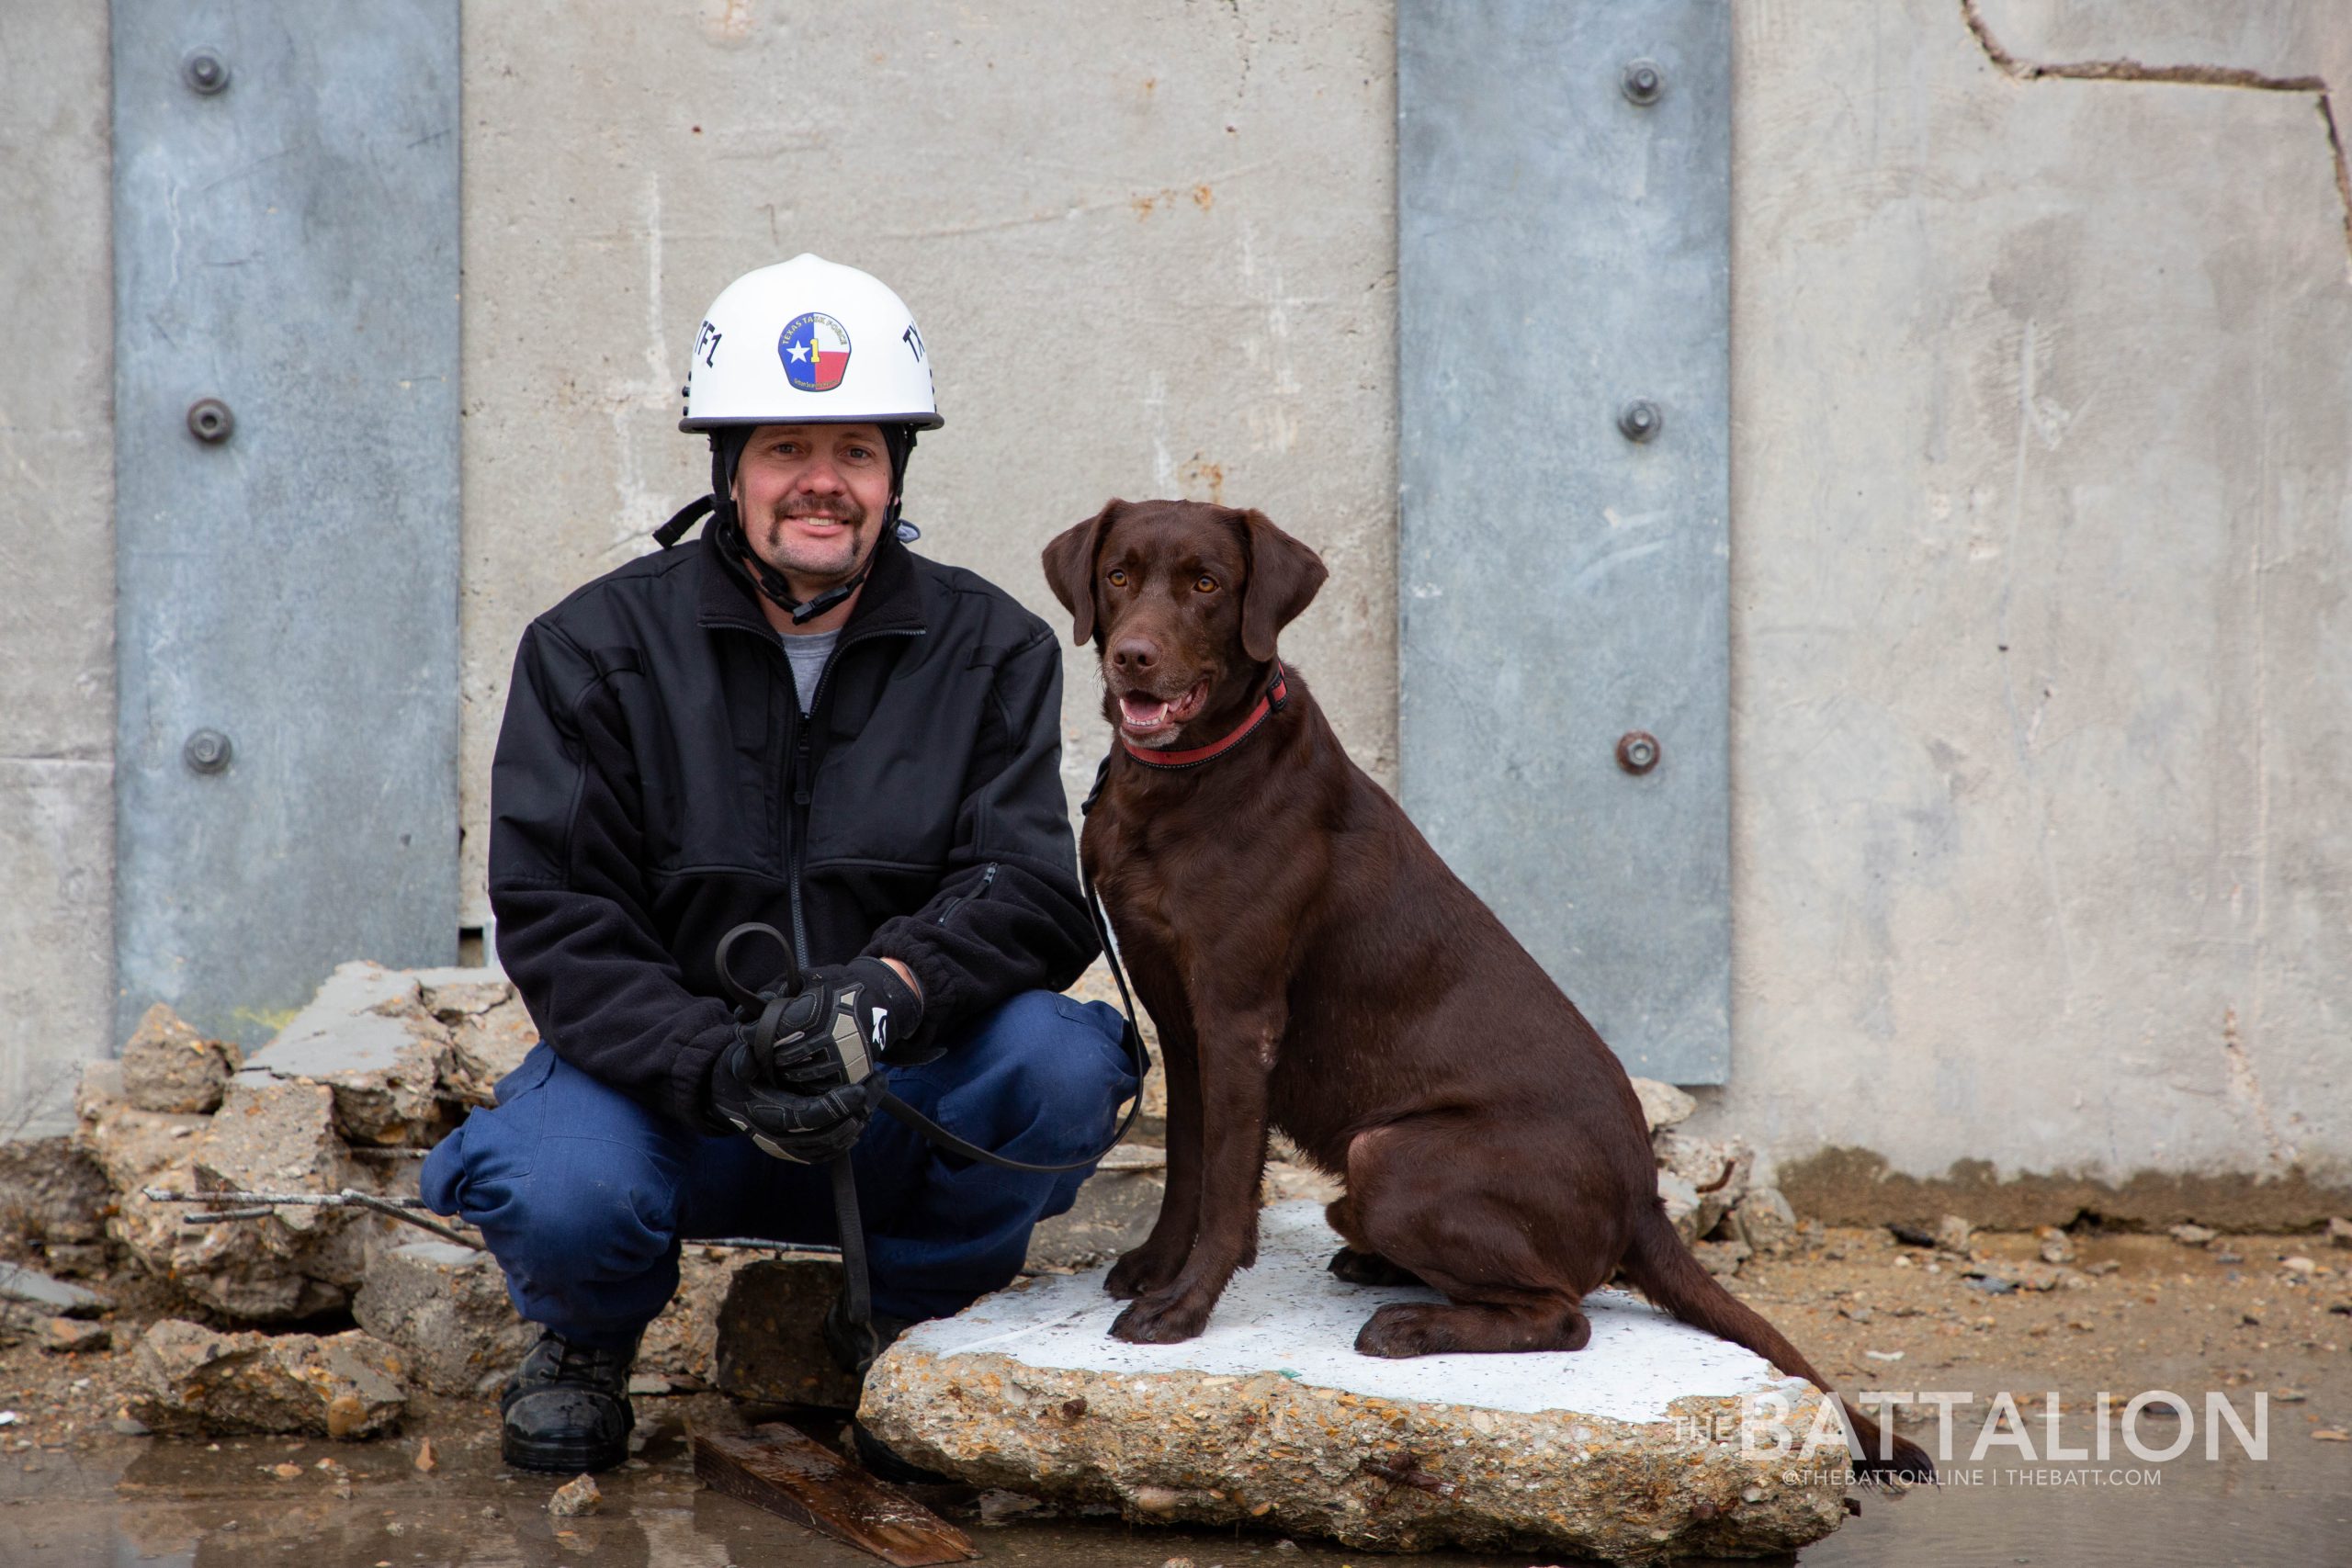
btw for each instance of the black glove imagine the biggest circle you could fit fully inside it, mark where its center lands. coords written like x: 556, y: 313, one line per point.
x: 793, y: 1077
x: 842, y: 1024
x: 808, y: 1129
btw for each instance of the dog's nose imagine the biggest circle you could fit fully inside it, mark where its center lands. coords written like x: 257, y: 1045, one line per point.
x: 1134, y: 653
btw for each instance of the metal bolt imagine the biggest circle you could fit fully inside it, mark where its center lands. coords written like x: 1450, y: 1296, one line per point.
x: 1637, y: 751
x: 207, y: 752
x: 209, y: 420
x: 1640, y: 420
x: 1643, y: 81
x: 204, y: 71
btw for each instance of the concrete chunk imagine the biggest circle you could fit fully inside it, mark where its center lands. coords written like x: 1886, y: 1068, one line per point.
x: 52, y: 1192
x: 1716, y: 1169
x: 1681, y: 1204
x: 446, y: 1307
x: 771, y: 1343
x: 269, y: 1134
x: 69, y: 1337
x: 485, y: 1049
x: 195, y: 1381
x: 1662, y: 1105
x: 680, y: 1347
x: 168, y: 1067
x: 490, y: 1029
x: 18, y: 1283
x: 99, y: 1086
x: 1628, y: 1449
x: 368, y: 1036
x: 1765, y: 1219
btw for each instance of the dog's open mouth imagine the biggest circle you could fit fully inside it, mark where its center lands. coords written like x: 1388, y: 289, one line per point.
x: 1143, y: 716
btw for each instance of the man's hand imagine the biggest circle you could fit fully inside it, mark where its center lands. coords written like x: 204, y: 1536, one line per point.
x: 807, y: 1128
x: 798, y: 1086
x: 843, y: 1021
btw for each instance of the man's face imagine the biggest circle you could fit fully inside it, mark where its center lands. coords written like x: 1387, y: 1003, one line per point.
x: 813, y: 498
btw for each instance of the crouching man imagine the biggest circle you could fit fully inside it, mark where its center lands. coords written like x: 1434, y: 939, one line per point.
x: 797, y: 721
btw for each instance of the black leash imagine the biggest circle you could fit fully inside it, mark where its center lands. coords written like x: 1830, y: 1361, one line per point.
x: 856, y: 1298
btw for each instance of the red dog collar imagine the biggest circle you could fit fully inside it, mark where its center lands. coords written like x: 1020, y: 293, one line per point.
x: 1277, y: 693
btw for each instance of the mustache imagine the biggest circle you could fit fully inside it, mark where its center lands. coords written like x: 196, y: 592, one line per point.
x: 838, y: 508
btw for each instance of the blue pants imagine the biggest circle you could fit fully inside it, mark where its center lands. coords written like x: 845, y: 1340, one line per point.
x: 584, y: 1195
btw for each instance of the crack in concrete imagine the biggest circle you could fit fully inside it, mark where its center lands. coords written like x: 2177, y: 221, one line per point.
x: 2128, y: 70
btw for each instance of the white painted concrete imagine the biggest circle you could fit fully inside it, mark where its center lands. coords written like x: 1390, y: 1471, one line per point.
x: 1289, y: 1315
x: 339, y: 1032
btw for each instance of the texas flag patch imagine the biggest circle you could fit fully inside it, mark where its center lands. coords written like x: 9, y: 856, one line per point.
x: 815, y: 350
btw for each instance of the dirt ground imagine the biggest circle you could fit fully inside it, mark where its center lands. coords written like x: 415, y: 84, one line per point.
x: 1857, y: 1298
x: 2245, y: 1314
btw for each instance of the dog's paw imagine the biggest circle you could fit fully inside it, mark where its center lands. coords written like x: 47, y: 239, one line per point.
x: 1139, y: 1273
x: 1399, y: 1331
x: 1166, y: 1318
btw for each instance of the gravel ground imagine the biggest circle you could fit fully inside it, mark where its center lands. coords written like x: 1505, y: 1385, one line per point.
x: 1853, y: 1299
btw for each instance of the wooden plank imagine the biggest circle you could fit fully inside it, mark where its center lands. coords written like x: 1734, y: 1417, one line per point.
x: 779, y: 1467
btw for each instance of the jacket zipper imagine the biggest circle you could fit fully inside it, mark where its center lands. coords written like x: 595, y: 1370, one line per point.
x: 799, y: 782
x: 981, y: 892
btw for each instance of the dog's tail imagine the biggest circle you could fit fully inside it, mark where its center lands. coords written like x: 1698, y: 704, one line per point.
x: 1665, y: 1272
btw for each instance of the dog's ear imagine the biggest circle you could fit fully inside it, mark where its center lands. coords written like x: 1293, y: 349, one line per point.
x: 1283, y: 578
x: 1069, y: 570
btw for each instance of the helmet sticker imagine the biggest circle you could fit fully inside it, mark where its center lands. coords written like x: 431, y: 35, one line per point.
x: 814, y: 351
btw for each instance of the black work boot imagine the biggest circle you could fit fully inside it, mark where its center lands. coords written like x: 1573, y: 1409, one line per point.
x: 566, y: 1408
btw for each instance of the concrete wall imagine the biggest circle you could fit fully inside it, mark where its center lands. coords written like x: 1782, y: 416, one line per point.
x: 1150, y: 257
x: 2043, y: 662
x: 2040, y: 535
x: 56, y: 559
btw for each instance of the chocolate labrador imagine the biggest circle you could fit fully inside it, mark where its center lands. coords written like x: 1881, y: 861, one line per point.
x: 1313, y: 966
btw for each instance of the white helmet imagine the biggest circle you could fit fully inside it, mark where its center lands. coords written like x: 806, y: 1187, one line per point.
x: 809, y: 342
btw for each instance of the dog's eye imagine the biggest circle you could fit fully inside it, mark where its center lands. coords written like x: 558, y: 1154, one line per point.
x: 1118, y: 578
x: 1205, y: 584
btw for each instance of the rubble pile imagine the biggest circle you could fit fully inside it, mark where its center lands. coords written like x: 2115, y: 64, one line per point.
x: 1710, y: 1188
x: 353, y: 1089
x: 347, y: 1097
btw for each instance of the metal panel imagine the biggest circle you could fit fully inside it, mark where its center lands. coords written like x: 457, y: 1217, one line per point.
x: 286, y: 245
x: 1564, y: 255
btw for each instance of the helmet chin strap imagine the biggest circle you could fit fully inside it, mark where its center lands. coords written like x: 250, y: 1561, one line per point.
x: 773, y: 586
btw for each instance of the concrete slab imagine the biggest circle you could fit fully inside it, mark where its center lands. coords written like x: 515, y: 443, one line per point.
x: 368, y: 1036
x: 1628, y: 1448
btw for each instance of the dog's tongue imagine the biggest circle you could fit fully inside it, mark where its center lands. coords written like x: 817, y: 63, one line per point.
x: 1142, y: 711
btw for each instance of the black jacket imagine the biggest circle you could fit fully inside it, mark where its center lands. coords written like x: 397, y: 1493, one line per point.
x: 656, y: 784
